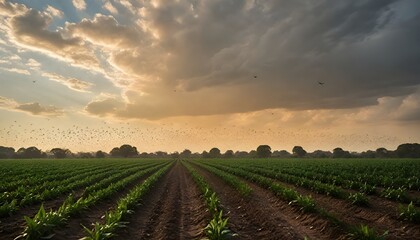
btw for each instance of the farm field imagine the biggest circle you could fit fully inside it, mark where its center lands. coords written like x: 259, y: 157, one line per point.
x: 210, y: 198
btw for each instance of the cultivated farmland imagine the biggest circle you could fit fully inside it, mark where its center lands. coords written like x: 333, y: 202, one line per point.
x: 210, y: 198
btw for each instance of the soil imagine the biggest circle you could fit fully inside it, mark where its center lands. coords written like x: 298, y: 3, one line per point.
x: 381, y: 214
x: 74, y: 230
x: 174, y: 209
x: 264, y: 216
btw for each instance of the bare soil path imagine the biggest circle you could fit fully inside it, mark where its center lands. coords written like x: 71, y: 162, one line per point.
x: 264, y: 216
x: 173, y: 209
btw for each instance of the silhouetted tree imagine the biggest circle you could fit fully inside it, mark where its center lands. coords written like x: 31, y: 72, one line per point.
x: 241, y: 154
x: 161, y: 154
x: 252, y: 154
x: 228, y: 154
x: 85, y: 155
x: 298, y: 151
x: 340, y: 153
x: 205, y: 154
x: 175, y: 155
x: 320, y: 154
x: 124, y: 151
x: 408, y: 150
x: 214, y: 153
x: 115, y: 152
x: 30, y: 152
x: 186, y: 153
x: 6, y: 152
x: 263, y: 151
x: 99, y: 154
x: 59, y: 152
x: 281, y: 154
x: 382, y: 153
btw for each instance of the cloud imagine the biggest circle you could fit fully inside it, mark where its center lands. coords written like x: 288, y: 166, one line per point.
x: 79, y: 4
x: 33, y: 64
x: 30, y: 108
x: 31, y: 30
x: 105, y: 30
x: 10, y: 9
x: 104, y: 107
x: 108, y: 6
x: 72, y: 83
x: 17, y: 70
x: 53, y: 12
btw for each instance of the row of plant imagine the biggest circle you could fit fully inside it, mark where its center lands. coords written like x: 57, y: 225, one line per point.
x: 302, y: 202
x: 230, y: 179
x: 23, y: 191
x: 10, y: 207
x: 125, y: 206
x: 43, y: 223
x: 38, y: 172
x: 217, y: 228
x: 38, y: 177
x: 394, y: 173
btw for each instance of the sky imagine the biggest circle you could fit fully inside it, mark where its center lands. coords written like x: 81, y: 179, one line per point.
x: 196, y: 74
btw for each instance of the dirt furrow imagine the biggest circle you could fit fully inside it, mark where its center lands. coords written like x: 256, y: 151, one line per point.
x: 381, y: 214
x: 173, y: 210
x: 11, y: 227
x: 262, y: 215
x: 74, y: 230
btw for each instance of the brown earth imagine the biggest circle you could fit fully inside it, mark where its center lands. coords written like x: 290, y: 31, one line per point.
x: 74, y: 230
x: 173, y: 209
x: 13, y: 226
x: 381, y: 214
x: 264, y: 216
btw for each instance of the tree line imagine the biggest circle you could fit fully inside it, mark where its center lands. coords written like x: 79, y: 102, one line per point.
x: 406, y: 150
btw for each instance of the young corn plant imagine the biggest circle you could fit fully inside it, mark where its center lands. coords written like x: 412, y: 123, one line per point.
x: 217, y: 228
x: 306, y: 203
x: 359, y: 199
x: 399, y: 194
x: 41, y: 225
x: 364, y: 232
x: 409, y: 213
x: 8, y: 209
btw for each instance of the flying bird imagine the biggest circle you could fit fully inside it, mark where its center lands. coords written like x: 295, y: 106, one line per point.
x: 321, y: 83
x: 255, y: 76
x: 34, y: 81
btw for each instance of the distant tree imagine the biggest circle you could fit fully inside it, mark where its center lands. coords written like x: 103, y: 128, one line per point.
x: 115, y: 152
x: 252, y: 154
x: 59, y: 152
x: 205, y: 154
x: 30, y: 152
x: 320, y: 154
x: 6, y: 152
x: 408, y: 150
x: 144, y: 155
x: 175, y: 155
x: 85, y: 155
x: 241, y: 154
x: 128, y: 151
x: 214, y: 153
x: 281, y: 154
x: 186, y: 153
x: 263, y: 151
x: 340, y: 153
x: 382, y: 153
x: 298, y: 151
x: 100, y: 154
x: 161, y: 154
x: 228, y: 154
x: 368, y: 154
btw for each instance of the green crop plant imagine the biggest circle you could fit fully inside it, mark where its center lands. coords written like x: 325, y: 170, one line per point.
x: 399, y: 194
x: 8, y: 209
x: 306, y: 203
x: 359, y: 199
x: 41, y: 224
x: 217, y: 228
x: 364, y: 232
x: 409, y: 213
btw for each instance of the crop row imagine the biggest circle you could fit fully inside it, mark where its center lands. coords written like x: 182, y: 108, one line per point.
x: 217, y: 228
x: 125, y: 206
x: 42, y: 224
